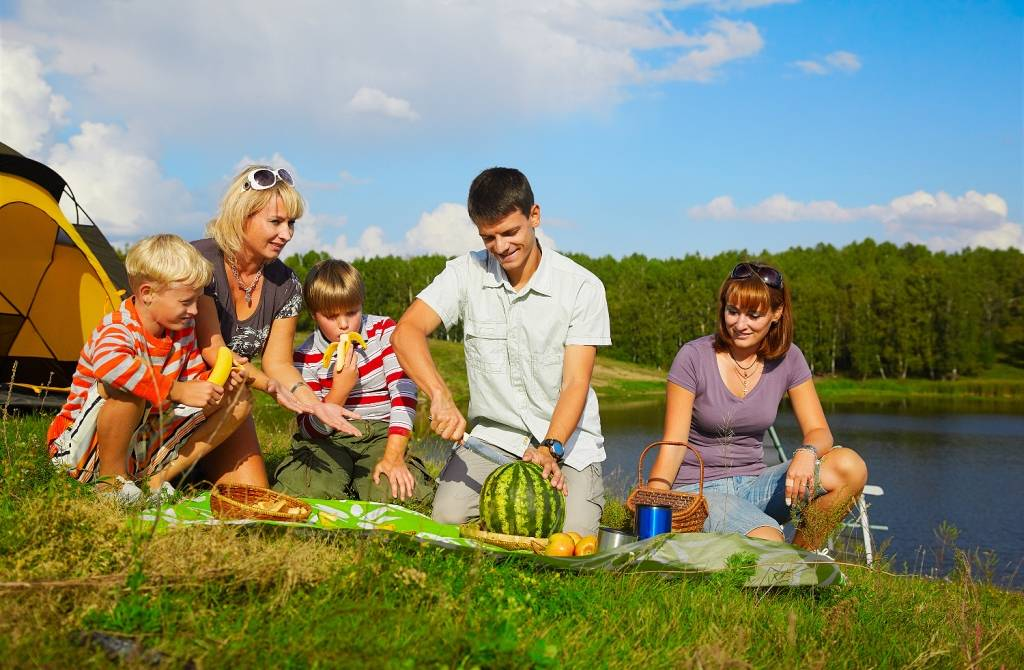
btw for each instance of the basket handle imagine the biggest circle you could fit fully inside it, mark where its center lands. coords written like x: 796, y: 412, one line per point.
x: 640, y: 462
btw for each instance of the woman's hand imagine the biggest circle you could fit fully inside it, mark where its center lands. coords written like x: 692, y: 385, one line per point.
x: 286, y: 398
x: 800, y: 476
x: 401, y: 480
x: 335, y: 416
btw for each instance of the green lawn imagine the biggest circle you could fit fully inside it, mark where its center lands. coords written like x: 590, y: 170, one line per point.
x: 74, y: 567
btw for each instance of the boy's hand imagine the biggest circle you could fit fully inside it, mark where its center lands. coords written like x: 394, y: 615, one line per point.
x: 197, y: 393
x: 401, y: 480
x: 543, y: 458
x: 347, y: 373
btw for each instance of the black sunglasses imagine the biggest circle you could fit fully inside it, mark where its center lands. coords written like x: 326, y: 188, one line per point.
x: 770, y: 276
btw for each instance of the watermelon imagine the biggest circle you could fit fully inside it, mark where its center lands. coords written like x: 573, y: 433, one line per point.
x: 517, y: 500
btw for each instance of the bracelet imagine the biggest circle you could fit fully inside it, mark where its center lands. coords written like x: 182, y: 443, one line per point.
x: 296, y: 385
x: 806, y: 447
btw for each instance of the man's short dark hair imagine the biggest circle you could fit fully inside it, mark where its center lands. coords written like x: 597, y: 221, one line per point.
x: 497, y: 192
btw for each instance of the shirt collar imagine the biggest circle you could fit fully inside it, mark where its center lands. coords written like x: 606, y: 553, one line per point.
x: 539, y: 282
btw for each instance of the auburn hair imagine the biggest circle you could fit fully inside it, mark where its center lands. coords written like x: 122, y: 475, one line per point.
x: 753, y: 293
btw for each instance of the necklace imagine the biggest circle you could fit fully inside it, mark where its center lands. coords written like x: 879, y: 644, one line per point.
x: 251, y: 287
x: 745, y: 376
x: 752, y: 363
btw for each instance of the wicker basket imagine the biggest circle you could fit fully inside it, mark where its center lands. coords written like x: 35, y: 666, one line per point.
x: 514, y: 542
x: 238, y: 501
x: 689, y: 510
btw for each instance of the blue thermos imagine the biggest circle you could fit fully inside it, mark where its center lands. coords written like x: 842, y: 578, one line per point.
x: 652, y: 520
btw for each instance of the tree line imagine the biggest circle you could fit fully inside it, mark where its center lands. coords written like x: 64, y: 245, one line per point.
x: 866, y: 309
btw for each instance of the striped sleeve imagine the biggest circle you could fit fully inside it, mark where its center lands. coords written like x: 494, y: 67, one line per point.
x: 307, y: 360
x: 116, y: 362
x: 401, y: 389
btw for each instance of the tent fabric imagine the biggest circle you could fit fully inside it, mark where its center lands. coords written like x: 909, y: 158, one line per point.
x: 57, y: 279
x: 671, y: 554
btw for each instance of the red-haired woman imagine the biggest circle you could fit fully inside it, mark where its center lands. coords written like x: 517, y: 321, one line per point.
x: 723, y: 394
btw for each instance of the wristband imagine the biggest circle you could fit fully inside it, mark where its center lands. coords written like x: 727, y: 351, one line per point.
x: 806, y: 447
x: 296, y: 385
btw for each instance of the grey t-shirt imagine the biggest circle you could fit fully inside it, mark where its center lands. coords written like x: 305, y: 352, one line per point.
x: 280, y: 298
x: 726, y: 429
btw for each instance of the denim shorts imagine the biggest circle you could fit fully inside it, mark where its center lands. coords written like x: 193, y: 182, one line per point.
x: 742, y: 503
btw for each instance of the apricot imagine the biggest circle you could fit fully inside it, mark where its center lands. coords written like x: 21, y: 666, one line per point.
x: 559, y: 544
x: 575, y: 537
x: 586, y: 546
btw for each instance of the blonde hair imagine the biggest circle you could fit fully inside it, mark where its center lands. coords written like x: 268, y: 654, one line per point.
x: 164, y: 260
x: 332, y: 286
x: 239, y: 203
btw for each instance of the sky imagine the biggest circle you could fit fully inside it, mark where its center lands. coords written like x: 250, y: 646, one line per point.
x: 663, y: 128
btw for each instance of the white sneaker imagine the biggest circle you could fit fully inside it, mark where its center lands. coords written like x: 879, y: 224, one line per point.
x: 123, y: 492
x: 161, y: 496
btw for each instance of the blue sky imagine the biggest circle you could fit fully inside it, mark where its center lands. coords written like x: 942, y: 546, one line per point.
x: 662, y: 128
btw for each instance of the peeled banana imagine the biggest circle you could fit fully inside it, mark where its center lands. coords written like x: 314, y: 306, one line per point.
x: 222, y: 367
x: 348, y: 339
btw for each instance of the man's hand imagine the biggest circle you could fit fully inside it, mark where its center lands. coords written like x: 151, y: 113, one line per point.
x: 401, y: 480
x: 800, y: 477
x: 447, y: 421
x: 196, y: 393
x: 542, y: 457
x: 335, y: 416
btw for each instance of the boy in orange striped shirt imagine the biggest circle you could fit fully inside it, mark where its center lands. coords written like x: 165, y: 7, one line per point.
x: 140, y: 408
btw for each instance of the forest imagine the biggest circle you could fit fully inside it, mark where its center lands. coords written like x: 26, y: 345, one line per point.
x: 863, y: 310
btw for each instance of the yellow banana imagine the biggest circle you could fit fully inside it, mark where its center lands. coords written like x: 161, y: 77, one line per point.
x: 347, y: 341
x: 222, y: 367
x: 331, y: 348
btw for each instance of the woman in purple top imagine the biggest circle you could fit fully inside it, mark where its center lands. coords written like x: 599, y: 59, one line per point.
x: 723, y: 394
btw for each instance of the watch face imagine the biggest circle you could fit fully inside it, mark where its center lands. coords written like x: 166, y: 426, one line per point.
x: 556, y: 447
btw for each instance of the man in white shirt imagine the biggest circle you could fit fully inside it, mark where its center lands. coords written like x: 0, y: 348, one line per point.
x: 533, y: 320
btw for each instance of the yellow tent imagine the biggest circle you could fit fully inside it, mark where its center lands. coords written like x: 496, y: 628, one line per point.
x: 58, y: 279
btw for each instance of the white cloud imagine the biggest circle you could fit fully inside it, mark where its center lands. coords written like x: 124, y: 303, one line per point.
x: 29, y: 109
x: 939, y: 220
x: 178, y: 67
x: 733, y: 5
x: 374, y: 101
x: 837, y: 61
x: 447, y: 230
x: 121, y: 188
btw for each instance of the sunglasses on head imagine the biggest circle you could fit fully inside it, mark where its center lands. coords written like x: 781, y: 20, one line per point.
x: 770, y: 276
x: 263, y: 178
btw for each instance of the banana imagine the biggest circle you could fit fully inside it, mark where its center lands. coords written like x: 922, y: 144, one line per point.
x: 222, y: 367
x: 347, y: 340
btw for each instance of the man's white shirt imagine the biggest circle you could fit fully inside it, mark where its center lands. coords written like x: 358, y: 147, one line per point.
x: 515, y: 346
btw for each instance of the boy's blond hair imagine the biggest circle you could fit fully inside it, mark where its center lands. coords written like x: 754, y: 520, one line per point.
x: 332, y: 286
x: 164, y: 260
x: 240, y: 203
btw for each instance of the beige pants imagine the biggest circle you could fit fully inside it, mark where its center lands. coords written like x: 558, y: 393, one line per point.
x: 458, y: 491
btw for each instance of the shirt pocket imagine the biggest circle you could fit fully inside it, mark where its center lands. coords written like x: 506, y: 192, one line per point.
x: 486, y: 344
x: 547, y: 371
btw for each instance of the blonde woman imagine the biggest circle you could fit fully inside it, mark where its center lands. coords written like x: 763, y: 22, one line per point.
x: 252, y: 304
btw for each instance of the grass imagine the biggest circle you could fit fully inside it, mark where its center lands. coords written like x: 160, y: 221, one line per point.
x: 79, y: 581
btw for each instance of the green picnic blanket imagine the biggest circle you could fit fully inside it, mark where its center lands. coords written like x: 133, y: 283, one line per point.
x: 672, y: 553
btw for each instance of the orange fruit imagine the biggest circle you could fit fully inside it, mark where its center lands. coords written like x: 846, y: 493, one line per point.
x: 586, y: 546
x: 559, y: 544
x: 575, y: 536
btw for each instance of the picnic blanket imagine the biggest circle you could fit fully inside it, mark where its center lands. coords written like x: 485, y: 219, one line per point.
x: 673, y: 553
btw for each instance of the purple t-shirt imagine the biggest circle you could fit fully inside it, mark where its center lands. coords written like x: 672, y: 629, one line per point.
x: 726, y: 429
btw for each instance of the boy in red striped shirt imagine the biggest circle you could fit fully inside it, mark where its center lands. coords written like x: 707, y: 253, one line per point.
x: 140, y: 408
x: 367, y: 380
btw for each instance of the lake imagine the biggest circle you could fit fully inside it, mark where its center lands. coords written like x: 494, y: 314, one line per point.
x: 935, y: 465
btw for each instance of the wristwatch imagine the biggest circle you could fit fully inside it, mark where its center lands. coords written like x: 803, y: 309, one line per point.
x: 556, y: 447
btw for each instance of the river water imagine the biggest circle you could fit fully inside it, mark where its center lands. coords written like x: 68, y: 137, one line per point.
x: 935, y: 466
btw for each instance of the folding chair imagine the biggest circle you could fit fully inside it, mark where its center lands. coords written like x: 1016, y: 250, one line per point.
x: 859, y: 511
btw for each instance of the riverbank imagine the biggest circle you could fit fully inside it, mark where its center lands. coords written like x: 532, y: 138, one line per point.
x: 83, y: 586
x: 621, y: 382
